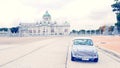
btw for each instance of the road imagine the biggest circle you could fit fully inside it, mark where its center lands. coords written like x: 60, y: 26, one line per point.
x: 49, y: 53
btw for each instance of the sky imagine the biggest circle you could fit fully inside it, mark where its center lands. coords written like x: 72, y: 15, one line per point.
x: 81, y: 14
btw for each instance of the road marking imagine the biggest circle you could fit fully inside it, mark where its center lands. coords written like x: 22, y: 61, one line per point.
x: 67, y: 55
x: 66, y: 62
x: 34, y: 50
x: 11, y: 47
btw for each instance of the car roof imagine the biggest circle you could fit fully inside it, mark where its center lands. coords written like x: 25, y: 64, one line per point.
x: 82, y: 38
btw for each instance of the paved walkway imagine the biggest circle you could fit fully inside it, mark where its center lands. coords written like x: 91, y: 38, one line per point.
x: 109, y: 42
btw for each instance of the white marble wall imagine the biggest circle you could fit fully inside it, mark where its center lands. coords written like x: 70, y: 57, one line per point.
x: 43, y: 30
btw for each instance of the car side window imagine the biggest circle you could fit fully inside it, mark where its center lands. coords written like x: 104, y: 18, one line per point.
x: 90, y: 42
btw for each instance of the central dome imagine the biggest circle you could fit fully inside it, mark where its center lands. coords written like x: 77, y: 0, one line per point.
x: 46, y: 14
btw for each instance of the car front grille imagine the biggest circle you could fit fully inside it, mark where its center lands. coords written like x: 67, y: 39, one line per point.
x: 83, y: 53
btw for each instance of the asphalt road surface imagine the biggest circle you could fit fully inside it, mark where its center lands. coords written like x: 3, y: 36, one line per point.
x: 49, y: 53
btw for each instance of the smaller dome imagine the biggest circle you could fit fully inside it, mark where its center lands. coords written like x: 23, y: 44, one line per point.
x: 66, y: 23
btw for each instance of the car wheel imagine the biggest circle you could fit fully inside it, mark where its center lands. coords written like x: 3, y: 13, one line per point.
x: 72, y: 58
x: 96, y: 60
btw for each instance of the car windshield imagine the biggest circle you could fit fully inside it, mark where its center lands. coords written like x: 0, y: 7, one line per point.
x: 83, y: 42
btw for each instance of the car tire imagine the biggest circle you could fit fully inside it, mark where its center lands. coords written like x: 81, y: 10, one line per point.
x: 96, y: 60
x: 72, y: 58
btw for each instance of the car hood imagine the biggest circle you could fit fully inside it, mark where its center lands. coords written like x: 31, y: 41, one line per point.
x: 84, y: 48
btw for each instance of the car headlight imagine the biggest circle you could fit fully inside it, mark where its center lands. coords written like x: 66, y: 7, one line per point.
x: 96, y: 54
x: 74, y: 49
x: 95, y: 51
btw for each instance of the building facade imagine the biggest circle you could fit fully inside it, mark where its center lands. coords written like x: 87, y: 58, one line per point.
x: 44, y: 28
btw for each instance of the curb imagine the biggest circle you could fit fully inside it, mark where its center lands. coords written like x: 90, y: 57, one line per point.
x: 111, y: 52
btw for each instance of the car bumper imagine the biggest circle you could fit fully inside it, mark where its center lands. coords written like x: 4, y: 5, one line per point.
x: 85, y: 58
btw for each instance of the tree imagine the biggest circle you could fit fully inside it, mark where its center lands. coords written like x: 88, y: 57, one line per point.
x: 88, y: 31
x: 92, y: 31
x: 116, y: 9
x: 14, y: 29
x: 111, y: 28
x: 81, y: 32
x: 102, y: 29
x: 74, y: 31
x: 98, y: 31
x: 3, y: 29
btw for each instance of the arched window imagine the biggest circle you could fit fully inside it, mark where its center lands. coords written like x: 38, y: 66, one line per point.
x: 34, y: 31
x: 52, y: 30
x: 66, y: 30
x: 38, y: 31
x: 30, y: 31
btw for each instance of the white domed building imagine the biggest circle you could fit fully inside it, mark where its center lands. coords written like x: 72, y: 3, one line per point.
x: 44, y: 28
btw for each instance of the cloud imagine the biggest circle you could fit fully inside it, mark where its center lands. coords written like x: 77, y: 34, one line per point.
x: 46, y: 4
x: 12, y: 12
x: 80, y: 13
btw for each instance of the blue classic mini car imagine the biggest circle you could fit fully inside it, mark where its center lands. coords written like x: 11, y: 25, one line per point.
x: 83, y: 49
